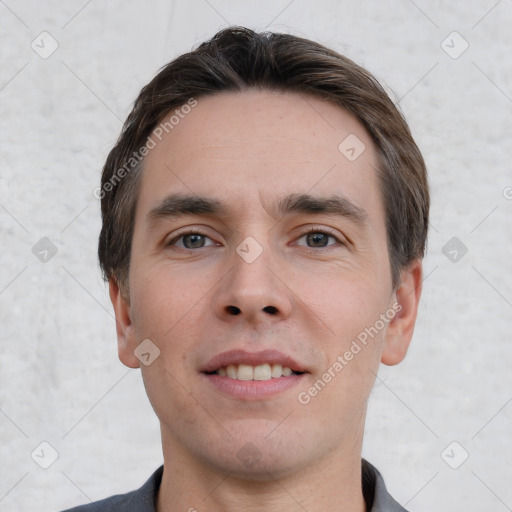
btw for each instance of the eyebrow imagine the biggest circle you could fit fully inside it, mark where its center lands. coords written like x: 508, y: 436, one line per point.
x: 177, y: 205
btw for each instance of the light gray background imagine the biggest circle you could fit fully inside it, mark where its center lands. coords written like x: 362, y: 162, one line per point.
x: 60, y: 379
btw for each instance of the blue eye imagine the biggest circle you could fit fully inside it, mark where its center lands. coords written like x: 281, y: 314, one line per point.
x: 191, y: 240
x: 317, y: 238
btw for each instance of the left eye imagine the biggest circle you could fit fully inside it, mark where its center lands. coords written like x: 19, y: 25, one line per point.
x: 318, y: 239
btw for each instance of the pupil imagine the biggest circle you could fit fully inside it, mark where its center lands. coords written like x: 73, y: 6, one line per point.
x: 193, y: 241
x: 318, y: 238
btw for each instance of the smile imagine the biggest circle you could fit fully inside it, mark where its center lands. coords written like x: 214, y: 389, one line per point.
x: 264, y: 371
x: 247, y: 375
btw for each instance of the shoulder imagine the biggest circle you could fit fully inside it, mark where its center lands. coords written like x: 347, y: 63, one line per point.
x: 119, y: 502
x: 141, y: 500
x: 376, y: 494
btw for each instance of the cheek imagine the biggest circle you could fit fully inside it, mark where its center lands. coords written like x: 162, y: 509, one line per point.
x: 347, y: 301
x: 353, y: 309
x: 164, y: 302
x: 344, y: 384
x: 166, y: 308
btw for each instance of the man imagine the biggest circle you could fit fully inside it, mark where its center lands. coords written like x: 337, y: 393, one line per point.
x: 265, y: 213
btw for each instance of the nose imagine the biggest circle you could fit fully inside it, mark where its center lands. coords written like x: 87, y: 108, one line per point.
x: 254, y: 292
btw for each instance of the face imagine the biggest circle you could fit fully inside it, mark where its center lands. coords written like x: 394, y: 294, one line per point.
x: 259, y: 262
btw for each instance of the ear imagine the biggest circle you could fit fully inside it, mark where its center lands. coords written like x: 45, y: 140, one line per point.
x: 126, y: 341
x: 400, y: 328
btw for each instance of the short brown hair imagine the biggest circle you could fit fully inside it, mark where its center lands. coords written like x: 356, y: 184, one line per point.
x: 237, y: 59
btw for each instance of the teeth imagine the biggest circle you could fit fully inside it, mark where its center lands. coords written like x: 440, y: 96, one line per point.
x: 245, y: 372
x: 231, y: 371
x: 261, y: 372
x: 277, y: 371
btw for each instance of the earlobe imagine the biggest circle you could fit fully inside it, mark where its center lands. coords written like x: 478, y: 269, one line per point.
x: 401, y: 327
x: 124, y: 327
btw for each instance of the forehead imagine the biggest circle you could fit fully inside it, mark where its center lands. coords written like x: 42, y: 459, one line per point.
x: 254, y: 146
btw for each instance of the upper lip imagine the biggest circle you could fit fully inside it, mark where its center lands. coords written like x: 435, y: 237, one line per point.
x: 240, y: 356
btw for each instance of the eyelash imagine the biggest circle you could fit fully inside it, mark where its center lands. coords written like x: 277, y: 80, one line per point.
x: 323, y: 231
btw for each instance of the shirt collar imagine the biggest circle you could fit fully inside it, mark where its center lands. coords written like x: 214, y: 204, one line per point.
x: 375, y: 493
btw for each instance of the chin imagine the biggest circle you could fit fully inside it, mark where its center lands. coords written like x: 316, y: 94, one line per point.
x: 258, y: 466
x: 261, y: 453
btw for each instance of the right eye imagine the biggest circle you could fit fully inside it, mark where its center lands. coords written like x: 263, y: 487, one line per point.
x: 191, y: 239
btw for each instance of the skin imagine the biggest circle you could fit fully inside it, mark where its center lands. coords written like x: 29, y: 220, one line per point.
x: 247, y: 149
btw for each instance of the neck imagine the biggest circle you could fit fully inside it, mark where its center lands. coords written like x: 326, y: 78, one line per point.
x: 332, y: 483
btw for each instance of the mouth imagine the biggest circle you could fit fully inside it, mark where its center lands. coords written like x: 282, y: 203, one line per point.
x: 253, y: 375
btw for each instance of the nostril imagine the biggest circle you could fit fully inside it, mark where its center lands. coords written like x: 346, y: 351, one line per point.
x: 233, y: 310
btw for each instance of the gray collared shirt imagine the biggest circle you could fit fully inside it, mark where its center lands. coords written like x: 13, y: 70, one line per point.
x: 143, y: 500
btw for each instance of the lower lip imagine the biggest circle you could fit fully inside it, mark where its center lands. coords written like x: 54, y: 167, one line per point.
x: 253, y: 389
